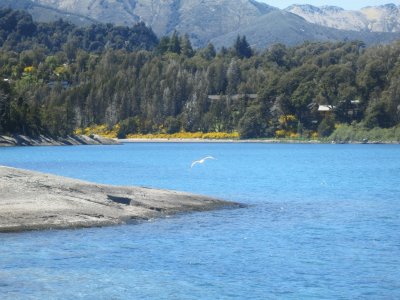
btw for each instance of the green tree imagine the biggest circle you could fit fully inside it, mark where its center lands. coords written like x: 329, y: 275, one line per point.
x: 327, y: 126
x: 378, y: 115
x: 208, y: 52
x: 186, y: 46
x: 252, y: 124
x: 172, y: 125
x: 174, y: 44
x: 242, y: 48
x: 163, y: 45
x: 4, y: 107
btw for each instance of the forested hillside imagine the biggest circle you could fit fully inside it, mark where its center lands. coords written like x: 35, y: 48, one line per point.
x: 126, y: 79
x: 18, y: 32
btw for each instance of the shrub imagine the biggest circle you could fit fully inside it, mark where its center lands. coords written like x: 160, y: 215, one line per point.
x: 281, y: 133
x: 187, y: 135
x: 326, y: 127
x: 359, y: 133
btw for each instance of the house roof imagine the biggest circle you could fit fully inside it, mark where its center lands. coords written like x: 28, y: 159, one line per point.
x: 326, y: 107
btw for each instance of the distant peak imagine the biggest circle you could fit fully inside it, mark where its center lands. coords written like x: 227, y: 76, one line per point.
x: 388, y: 6
x: 305, y: 7
x: 332, y: 8
x: 262, y: 7
x: 315, y: 9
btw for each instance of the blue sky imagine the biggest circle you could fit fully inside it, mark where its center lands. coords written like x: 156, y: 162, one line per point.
x: 346, y: 4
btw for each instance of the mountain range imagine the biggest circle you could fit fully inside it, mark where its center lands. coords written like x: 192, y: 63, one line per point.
x: 383, y: 18
x: 220, y: 21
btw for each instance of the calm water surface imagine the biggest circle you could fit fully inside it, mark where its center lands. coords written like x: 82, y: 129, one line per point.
x: 323, y: 222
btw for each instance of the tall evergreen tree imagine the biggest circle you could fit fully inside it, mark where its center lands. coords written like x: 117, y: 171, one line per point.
x: 186, y: 46
x: 174, y: 45
x: 242, y: 48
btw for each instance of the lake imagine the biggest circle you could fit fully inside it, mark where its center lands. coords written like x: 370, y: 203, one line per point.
x: 322, y: 222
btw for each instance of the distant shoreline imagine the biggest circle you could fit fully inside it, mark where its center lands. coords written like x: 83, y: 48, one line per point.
x: 75, y: 140
x: 175, y: 140
x: 261, y: 141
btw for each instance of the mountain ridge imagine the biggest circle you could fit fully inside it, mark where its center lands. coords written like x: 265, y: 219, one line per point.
x: 296, y: 32
x: 218, y: 20
x: 381, y: 18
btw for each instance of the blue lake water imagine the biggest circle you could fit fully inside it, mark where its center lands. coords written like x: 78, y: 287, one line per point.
x: 323, y: 222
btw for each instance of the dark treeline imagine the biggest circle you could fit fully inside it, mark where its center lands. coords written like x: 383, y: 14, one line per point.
x: 56, y: 86
x: 18, y: 32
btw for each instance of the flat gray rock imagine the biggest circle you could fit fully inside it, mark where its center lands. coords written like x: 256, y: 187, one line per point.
x: 32, y: 200
x: 42, y: 140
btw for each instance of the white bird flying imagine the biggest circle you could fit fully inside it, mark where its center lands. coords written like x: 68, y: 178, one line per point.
x: 201, y: 161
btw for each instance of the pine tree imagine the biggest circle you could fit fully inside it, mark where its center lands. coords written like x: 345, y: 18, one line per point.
x: 242, y: 48
x: 174, y: 45
x: 186, y: 46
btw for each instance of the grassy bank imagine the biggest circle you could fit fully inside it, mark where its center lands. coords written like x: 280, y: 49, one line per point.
x: 358, y: 133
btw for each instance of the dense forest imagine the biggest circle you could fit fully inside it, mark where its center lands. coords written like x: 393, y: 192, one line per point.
x: 56, y: 78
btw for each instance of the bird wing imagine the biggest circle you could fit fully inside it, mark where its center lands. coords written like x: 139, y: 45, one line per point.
x: 201, y: 160
x: 193, y: 163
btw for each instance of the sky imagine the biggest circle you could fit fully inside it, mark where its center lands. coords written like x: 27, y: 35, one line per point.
x: 346, y: 4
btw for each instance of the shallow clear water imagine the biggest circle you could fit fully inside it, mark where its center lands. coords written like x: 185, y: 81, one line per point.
x: 323, y: 222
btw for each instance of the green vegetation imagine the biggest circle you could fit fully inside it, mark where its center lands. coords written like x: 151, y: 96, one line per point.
x: 359, y: 133
x: 57, y: 78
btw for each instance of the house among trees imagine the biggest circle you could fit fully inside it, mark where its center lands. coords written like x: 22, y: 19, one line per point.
x: 326, y: 108
x: 349, y: 108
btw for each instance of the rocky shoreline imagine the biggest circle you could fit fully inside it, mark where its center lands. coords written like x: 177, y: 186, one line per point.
x: 42, y: 140
x: 36, y: 201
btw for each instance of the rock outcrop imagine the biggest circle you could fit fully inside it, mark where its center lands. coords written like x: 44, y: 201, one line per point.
x: 41, y: 140
x: 32, y: 201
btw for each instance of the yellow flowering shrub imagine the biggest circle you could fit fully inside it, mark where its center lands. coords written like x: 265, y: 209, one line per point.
x: 221, y: 135
x: 105, y: 131
x: 285, y: 119
x: 281, y: 133
x: 186, y: 135
x: 28, y: 69
x: 102, y: 130
x: 314, y: 135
